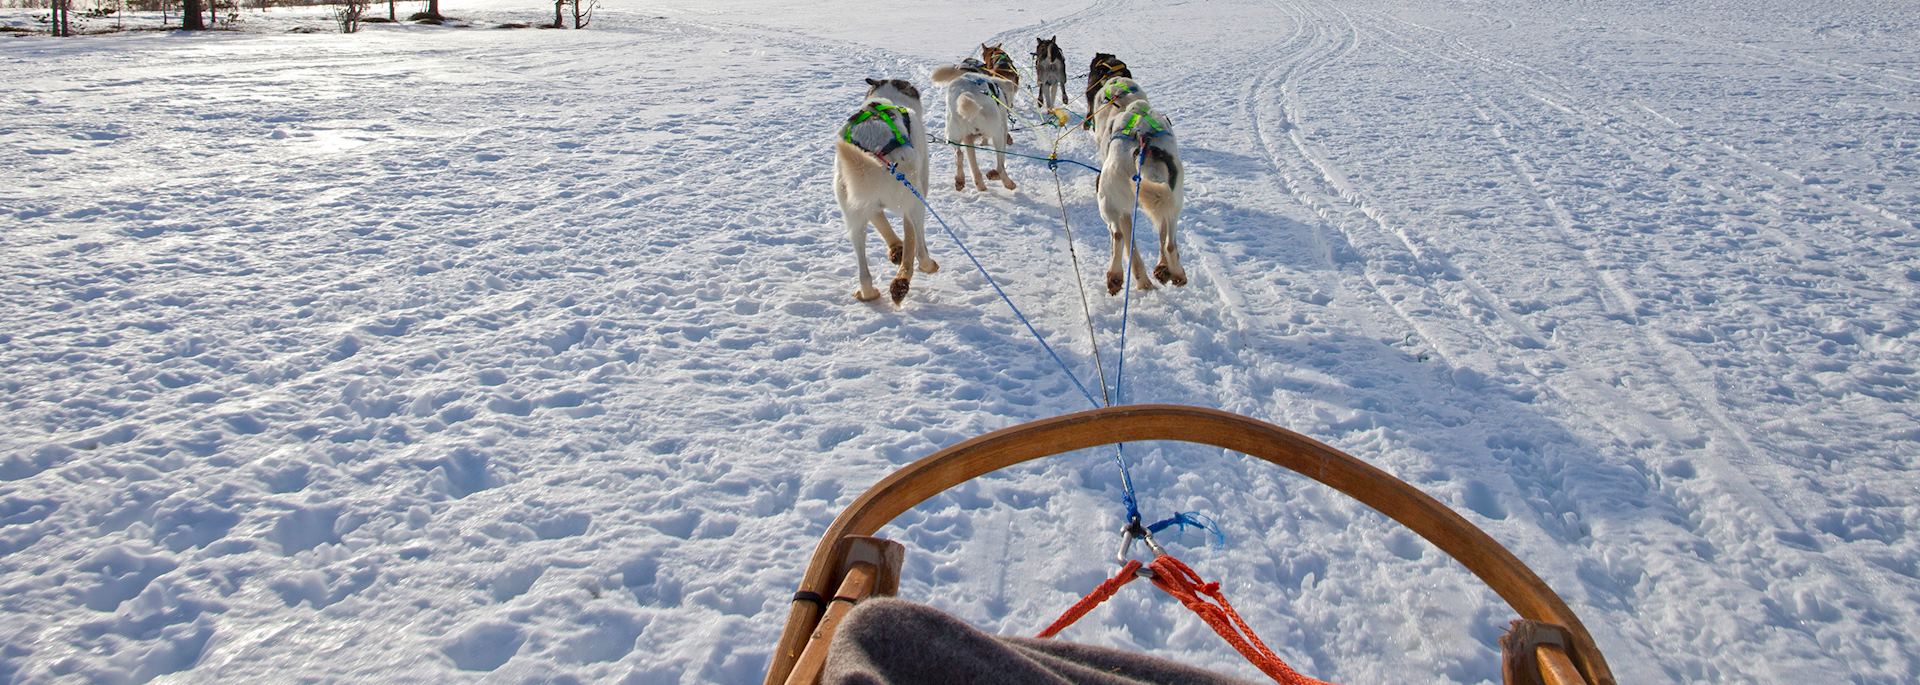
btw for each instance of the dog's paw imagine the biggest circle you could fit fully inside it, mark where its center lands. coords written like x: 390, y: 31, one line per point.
x: 1008, y: 182
x: 1009, y: 139
x: 1163, y: 274
x: 899, y: 289
x: 866, y: 294
x: 1180, y: 279
x: 894, y: 252
x: 993, y: 174
x: 928, y: 266
x: 959, y: 183
x: 1144, y: 284
x: 1114, y: 283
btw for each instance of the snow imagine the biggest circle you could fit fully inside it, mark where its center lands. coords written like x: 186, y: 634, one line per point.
x: 449, y: 354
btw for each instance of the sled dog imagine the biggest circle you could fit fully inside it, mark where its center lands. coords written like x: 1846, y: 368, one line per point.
x: 1050, y: 67
x: 999, y: 63
x: 976, y: 115
x: 996, y: 62
x: 1103, y: 68
x: 1140, y: 141
x: 887, y: 135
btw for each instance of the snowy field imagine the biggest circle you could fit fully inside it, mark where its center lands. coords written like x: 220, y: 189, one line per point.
x: 455, y: 354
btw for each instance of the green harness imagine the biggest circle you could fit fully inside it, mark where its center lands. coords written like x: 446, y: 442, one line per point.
x: 1133, y: 125
x: 885, y: 113
x: 1116, y: 90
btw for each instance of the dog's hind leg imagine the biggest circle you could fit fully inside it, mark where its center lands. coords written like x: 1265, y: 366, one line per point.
x: 1123, y: 245
x: 973, y: 162
x: 886, y: 233
x: 1000, y: 167
x: 915, y: 237
x: 1117, y: 207
x: 857, y: 232
x: 917, y: 216
x: 960, y: 166
x: 1140, y: 278
x: 1168, y: 270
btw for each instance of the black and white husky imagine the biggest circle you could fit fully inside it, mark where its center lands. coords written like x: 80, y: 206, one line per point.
x: 1103, y: 68
x: 887, y: 135
x: 976, y: 115
x: 1138, y: 142
x: 1051, y: 66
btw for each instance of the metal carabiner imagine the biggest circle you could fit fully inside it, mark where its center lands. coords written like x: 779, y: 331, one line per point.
x: 1134, y: 531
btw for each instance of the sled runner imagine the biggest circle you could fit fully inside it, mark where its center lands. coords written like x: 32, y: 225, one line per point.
x: 1548, y: 645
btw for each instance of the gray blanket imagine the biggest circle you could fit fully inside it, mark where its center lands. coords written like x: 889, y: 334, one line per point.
x: 895, y: 642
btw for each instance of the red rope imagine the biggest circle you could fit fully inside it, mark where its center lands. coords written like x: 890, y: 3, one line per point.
x: 1093, y: 599
x: 1179, y: 580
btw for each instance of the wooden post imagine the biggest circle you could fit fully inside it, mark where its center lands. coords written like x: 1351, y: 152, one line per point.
x: 860, y: 581
x: 807, y: 630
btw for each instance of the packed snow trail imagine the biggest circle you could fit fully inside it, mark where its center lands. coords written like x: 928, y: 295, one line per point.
x: 443, y: 354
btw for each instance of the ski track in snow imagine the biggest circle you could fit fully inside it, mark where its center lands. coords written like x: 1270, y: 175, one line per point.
x: 442, y: 354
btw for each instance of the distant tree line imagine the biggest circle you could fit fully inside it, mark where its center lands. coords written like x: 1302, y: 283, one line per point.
x: 109, y: 6
x: 204, y: 14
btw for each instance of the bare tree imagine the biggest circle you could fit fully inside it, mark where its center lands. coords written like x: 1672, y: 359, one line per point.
x: 558, y: 7
x: 583, y: 12
x: 349, y: 15
x: 60, y: 17
x: 190, y: 16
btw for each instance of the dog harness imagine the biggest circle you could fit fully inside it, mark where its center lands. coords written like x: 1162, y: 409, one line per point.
x: 993, y: 89
x: 1142, y: 137
x: 1133, y: 122
x: 885, y: 113
x: 1116, y: 90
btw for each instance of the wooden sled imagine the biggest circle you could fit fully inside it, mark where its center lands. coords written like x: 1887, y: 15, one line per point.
x: 1550, y: 646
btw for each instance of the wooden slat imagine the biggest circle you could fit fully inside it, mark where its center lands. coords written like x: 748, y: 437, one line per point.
x: 1425, y: 516
x: 861, y: 578
x: 1556, y: 668
x: 802, y: 616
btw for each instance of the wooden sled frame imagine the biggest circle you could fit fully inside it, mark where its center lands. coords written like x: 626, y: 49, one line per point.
x: 1493, y: 564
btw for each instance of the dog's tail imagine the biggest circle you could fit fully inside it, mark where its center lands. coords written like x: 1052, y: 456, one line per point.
x: 947, y: 74
x: 852, y: 156
x: 966, y: 107
x: 1160, y: 167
